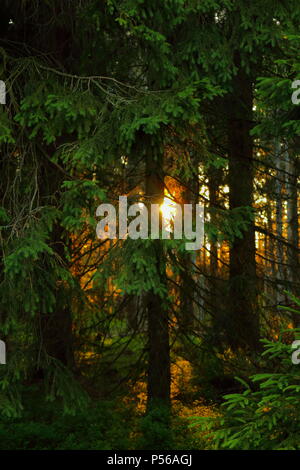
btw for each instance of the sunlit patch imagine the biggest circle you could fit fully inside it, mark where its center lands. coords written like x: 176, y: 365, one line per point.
x: 168, y: 210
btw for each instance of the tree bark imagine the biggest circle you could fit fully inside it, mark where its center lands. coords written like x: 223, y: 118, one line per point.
x: 243, y: 325
x: 159, y: 375
x: 279, y: 186
x: 293, y: 231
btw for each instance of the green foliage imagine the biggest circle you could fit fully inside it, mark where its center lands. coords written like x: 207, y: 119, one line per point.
x: 131, y: 69
x: 266, y: 415
x: 80, y: 199
x: 51, y: 114
x: 156, y: 431
x: 6, y: 131
x: 228, y: 225
x: 103, y: 426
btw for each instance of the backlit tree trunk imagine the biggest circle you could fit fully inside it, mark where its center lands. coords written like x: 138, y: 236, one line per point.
x: 159, y: 376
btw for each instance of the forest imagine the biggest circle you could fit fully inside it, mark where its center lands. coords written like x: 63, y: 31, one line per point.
x: 112, y: 337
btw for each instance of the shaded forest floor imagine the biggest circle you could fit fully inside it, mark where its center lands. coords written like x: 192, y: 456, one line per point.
x: 118, y: 423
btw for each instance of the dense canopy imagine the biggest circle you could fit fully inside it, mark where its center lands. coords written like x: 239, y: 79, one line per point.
x: 115, y: 343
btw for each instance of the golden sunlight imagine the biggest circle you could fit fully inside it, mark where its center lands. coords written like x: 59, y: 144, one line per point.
x: 168, y: 210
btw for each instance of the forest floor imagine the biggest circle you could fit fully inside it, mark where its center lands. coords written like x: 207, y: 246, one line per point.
x: 118, y: 423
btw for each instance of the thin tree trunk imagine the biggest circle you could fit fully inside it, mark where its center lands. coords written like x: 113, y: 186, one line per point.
x: 215, y: 284
x: 279, y: 185
x: 293, y: 231
x: 188, y: 278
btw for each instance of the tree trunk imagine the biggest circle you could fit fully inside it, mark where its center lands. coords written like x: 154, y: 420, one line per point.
x: 279, y: 185
x: 293, y: 232
x: 56, y: 326
x: 159, y: 375
x: 243, y: 325
x: 215, y: 283
x: 188, y: 294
